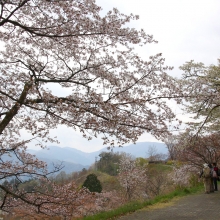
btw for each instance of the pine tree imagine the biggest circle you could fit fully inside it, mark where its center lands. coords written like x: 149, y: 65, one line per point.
x: 92, y: 183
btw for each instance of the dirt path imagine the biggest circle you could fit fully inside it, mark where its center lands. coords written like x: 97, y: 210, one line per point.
x: 200, y: 207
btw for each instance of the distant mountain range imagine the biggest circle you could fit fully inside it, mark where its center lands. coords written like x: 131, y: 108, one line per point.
x: 75, y: 160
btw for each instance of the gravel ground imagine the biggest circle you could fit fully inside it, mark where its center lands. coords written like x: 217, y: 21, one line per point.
x: 200, y: 207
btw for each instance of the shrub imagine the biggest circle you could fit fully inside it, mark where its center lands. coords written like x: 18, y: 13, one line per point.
x: 92, y: 183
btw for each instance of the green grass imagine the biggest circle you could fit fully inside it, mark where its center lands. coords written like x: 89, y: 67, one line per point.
x: 133, y: 206
x: 161, y: 167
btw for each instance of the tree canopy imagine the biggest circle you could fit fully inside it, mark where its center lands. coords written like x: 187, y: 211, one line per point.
x: 201, y: 85
x: 112, y: 91
x: 105, y: 87
x: 197, y: 150
x: 108, y: 162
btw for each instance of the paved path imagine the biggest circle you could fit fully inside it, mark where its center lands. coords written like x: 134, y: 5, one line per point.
x: 193, y: 207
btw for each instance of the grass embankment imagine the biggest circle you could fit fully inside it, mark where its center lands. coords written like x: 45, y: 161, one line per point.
x: 133, y: 206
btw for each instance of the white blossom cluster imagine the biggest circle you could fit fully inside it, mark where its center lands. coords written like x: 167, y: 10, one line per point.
x: 181, y: 174
x: 131, y: 176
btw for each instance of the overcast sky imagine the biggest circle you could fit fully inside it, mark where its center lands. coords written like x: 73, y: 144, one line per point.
x: 186, y: 30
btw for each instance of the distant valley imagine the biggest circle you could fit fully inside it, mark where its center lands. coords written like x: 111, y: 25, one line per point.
x: 75, y: 160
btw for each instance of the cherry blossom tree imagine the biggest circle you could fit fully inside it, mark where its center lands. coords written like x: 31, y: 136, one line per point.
x: 49, y: 200
x: 197, y: 150
x: 131, y: 176
x: 201, y: 93
x: 105, y: 88
x: 181, y: 175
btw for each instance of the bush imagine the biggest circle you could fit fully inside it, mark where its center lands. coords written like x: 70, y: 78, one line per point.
x: 92, y: 183
x: 170, y: 162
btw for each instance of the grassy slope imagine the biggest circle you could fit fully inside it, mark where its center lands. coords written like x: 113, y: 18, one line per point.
x: 107, y: 181
x: 132, y: 207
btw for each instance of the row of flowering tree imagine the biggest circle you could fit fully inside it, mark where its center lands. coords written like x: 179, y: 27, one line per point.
x: 196, y: 149
x: 191, y: 152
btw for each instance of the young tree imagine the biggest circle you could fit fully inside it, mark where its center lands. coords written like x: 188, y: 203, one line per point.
x: 131, y: 176
x: 171, y: 142
x: 152, y: 152
x: 61, y: 177
x: 105, y: 87
x: 157, y: 182
x: 153, y: 155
